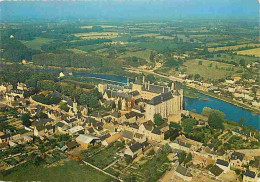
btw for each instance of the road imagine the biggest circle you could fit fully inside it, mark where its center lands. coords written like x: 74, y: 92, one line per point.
x: 137, y: 70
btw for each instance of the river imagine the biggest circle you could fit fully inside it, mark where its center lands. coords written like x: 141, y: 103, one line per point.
x: 232, y: 112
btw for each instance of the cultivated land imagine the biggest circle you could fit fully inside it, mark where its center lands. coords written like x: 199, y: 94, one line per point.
x: 70, y: 171
x: 250, y: 52
x: 37, y: 42
x: 97, y: 35
x: 233, y: 47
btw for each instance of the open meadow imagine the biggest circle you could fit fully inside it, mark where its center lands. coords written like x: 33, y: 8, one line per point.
x: 250, y: 52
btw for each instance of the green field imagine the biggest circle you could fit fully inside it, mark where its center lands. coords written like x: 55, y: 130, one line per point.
x: 145, y: 54
x: 156, y: 45
x: 69, y: 172
x: 37, y: 42
x: 207, y: 72
x: 235, y: 58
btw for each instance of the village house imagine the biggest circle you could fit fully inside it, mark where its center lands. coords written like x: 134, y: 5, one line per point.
x: 134, y: 150
x: 111, y: 139
x: 216, y: 171
x: 4, y: 138
x: 249, y: 176
x: 223, y: 165
x: 236, y: 160
x: 127, y: 135
x: 76, y: 130
x: 87, y: 140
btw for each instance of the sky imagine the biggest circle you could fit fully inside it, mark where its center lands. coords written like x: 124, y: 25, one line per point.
x: 128, y: 9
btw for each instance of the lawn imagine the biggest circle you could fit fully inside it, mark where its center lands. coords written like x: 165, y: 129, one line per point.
x: 37, y: 42
x: 217, y: 71
x: 69, y: 172
x: 250, y: 52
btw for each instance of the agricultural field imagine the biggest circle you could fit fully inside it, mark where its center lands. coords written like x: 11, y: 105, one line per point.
x: 68, y: 172
x: 215, y: 71
x: 37, y: 42
x: 144, y: 54
x: 250, y: 52
x: 97, y: 35
x: 234, y: 58
x: 232, y: 47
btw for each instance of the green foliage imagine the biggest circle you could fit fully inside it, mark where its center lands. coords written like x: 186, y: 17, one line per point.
x: 188, y: 124
x: 200, y: 63
x: 158, y: 120
x: 46, y: 99
x: 175, y: 125
x: 188, y: 159
x: 150, y: 78
x: 216, y: 120
x: 26, y: 119
x: 181, y: 156
x: 64, y: 106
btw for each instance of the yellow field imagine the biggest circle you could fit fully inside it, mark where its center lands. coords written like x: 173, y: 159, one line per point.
x: 97, y: 35
x: 232, y: 47
x: 155, y: 35
x: 254, y: 52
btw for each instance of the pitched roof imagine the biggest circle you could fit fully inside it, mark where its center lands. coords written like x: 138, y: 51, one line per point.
x: 133, y: 114
x: 86, y: 138
x: 156, y: 131
x: 184, y: 171
x: 161, y: 98
x: 216, y: 170
x: 127, y: 134
x: 138, y: 135
x: 135, y: 147
x: 147, y: 126
x: 113, y: 138
x: 237, y: 155
x: 91, y: 130
x: 249, y: 173
x: 72, y: 144
x: 222, y: 162
x: 5, y: 136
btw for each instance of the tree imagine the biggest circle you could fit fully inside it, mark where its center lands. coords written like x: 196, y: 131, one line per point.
x: 64, y: 107
x: 216, y: 120
x: 188, y: 124
x: 158, y: 120
x: 242, y: 62
x: 197, y: 76
x: 175, y: 125
x: 26, y: 120
x: 181, y: 156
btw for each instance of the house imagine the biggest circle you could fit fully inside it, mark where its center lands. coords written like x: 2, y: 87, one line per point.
x: 133, y: 150
x: 76, y: 130
x: 138, y: 137
x: 27, y: 138
x: 183, y: 173
x: 236, y: 160
x: 249, y: 176
x: 146, y: 128
x: 61, y: 127
x: 223, y: 165
x: 71, y: 145
x: 215, y: 170
x: 86, y: 140
x: 5, y: 138
x: 132, y: 116
x: 156, y: 135
x: 111, y: 139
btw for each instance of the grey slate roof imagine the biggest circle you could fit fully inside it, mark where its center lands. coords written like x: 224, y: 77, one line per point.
x: 249, y: 173
x: 237, y: 155
x: 222, y: 162
x: 135, y: 147
x: 127, y: 134
x: 161, y: 98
